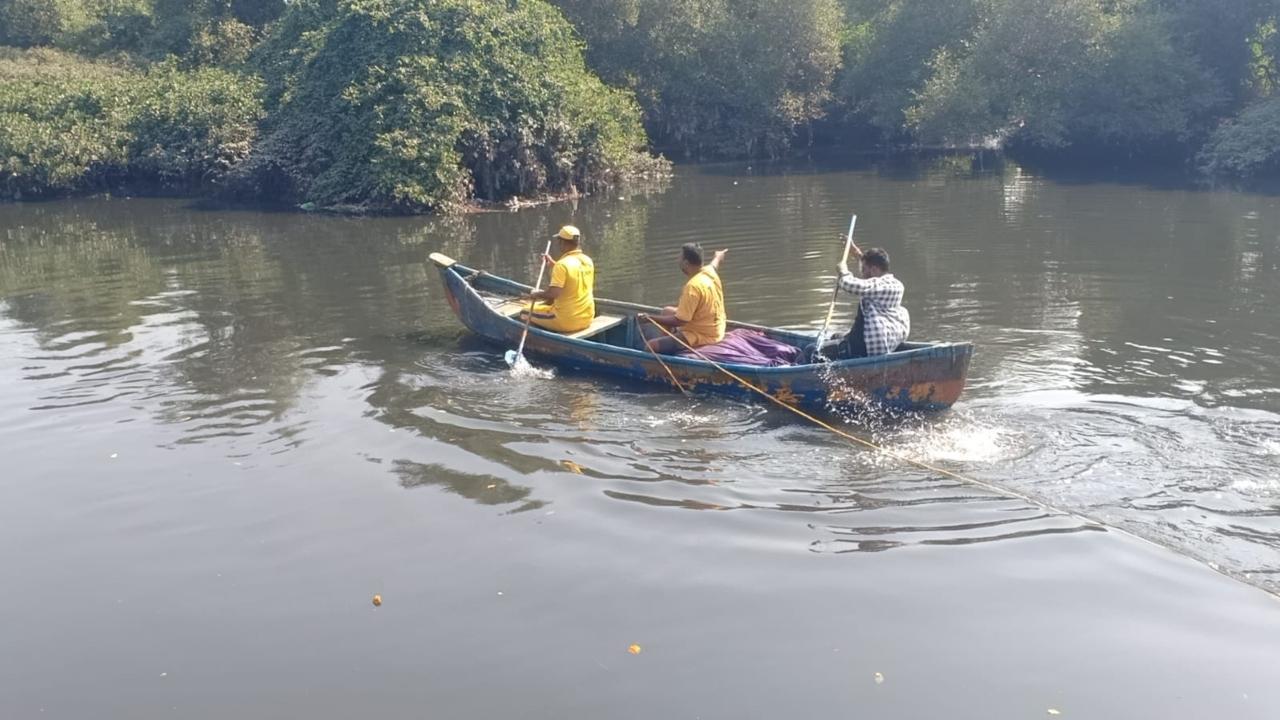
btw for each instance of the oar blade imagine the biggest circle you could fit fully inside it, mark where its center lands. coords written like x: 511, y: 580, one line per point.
x: 512, y: 358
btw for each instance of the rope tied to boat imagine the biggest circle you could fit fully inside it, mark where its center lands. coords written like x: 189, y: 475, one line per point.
x: 1005, y: 492
x: 664, y: 365
x: 990, y: 487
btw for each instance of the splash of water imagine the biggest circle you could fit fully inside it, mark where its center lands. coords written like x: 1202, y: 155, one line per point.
x: 821, y: 339
x: 963, y: 440
x: 1251, y: 486
x: 522, y: 370
x: 685, y: 419
x: 957, y: 438
x: 854, y: 406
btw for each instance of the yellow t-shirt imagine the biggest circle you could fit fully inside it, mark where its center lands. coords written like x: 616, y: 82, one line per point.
x: 701, y: 308
x: 576, y: 306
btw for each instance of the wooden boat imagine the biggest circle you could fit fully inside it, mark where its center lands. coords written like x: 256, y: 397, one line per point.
x: 918, y: 376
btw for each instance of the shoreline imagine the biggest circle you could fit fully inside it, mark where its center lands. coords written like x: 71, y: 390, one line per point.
x: 1163, y: 174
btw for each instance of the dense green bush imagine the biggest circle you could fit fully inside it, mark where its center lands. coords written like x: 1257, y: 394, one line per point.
x: 1264, y: 48
x: 69, y: 125
x: 414, y: 105
x: 1216, y: 34
x: 188, y: 129
x: 716, y: 77
x: 61, y: 126
x: 210, y: 31
x: 201, y: 31
x: 82, y: 25
x: 891, y: 49
x: 1248, y: 147
x: 26, y: 23
x: 1059, y: 73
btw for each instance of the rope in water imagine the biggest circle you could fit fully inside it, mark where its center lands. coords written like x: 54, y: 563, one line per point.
x: 995, y: 489
x: 867, y: 443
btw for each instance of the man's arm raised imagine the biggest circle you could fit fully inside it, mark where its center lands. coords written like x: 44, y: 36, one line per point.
x: 716, y: 258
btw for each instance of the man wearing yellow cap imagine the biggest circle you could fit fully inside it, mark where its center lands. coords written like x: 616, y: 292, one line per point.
x: 568, y: 304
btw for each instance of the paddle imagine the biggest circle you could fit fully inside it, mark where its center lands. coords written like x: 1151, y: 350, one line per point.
x: 835, y: 294
x: 517, y: 355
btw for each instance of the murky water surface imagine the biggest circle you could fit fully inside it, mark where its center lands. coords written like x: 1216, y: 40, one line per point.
x: 224, y: 432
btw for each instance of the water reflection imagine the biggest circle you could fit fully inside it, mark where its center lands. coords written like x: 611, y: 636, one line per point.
x: 484, y: 489
x: 1126, y: 349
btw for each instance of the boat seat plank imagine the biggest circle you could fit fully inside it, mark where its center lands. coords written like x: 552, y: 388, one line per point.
x: 513, y: 308
x: 598, y: 325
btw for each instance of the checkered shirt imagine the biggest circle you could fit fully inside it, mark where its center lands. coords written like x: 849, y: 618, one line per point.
x: 887, y: 322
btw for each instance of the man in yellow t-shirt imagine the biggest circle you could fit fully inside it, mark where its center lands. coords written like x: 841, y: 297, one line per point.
x: 568, y: 303
x: 698, y: 318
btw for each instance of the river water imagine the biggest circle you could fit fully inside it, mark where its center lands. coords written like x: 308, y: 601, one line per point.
x: 224, y: 431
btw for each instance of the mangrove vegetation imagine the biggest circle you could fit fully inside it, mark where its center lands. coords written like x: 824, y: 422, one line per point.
x: 431, y: 105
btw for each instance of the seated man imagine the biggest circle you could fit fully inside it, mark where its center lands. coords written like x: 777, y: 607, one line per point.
x: 883, y: 323
x: 699, y: 317
x: 569, y: 302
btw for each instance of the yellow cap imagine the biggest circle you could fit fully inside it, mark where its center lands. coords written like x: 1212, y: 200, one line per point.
x: 569, y: 232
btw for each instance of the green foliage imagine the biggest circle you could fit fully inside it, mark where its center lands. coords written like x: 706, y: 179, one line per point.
x: 1248, y: 147
x: 1142, y: 76
x: 93, y: 26
x: 716, y: 77
x: 224, y: 42
x: 1216, y: 33
x: 1143, y: 91
x: 69, y: 125
x: 201, y: 31
x: 413, y: 105
x: 210, y: 31
x: 60, y: 123
x: 188, y: 129
x: 31, y: 23
x: 1264, y: 47
x: 1058, y: 73
x: 119, y: 26
x: 893, y: 48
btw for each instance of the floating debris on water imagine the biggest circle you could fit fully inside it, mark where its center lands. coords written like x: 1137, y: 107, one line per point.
x: 377, y: 601
x: 879, y: 678
x: 571, y: 466
x: 634, y: 649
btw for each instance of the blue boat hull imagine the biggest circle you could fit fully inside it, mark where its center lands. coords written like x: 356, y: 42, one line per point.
x: 919, y: 377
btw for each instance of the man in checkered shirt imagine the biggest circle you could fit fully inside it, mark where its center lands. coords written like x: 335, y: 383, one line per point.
x: 882, y: 324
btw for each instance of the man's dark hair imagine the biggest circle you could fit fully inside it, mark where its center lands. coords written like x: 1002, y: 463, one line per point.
x: 692, y: 253
x: 877, y: 257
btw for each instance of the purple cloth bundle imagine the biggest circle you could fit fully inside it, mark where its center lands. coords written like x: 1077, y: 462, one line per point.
x: 748, y: 347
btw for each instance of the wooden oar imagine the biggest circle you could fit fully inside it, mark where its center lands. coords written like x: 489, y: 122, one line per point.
x: 835, y: 294
x: 514, y: 356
